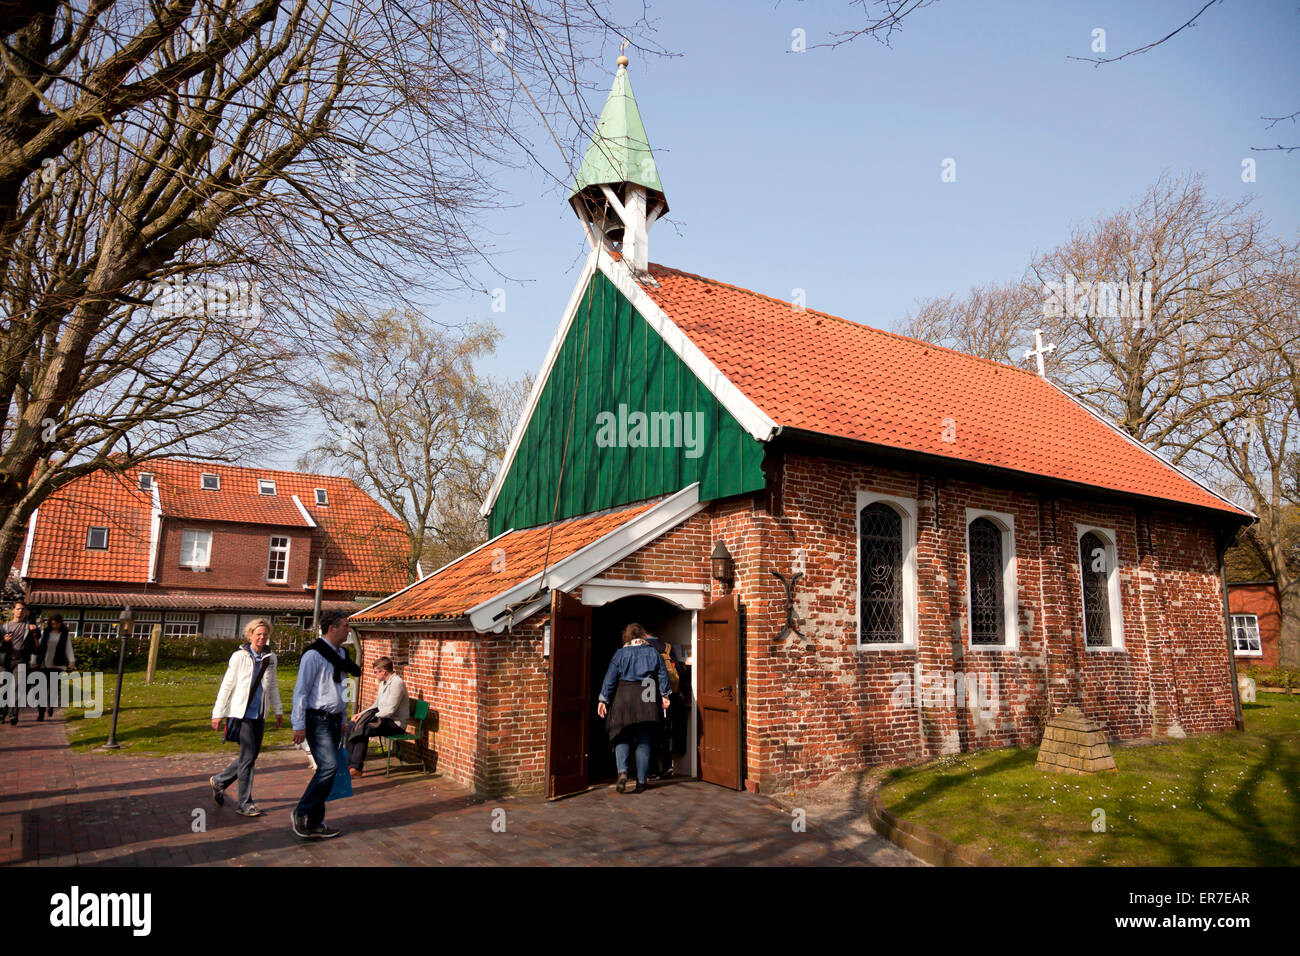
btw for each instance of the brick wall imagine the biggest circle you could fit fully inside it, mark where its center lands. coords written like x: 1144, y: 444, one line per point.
x: 1260, y: 600
x: 816, y: 704
x: 487, y: 697
x: 237, y: 560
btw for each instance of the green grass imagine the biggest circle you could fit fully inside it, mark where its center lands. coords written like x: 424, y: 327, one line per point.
x: 1230, y: 799
x: 173, y: 714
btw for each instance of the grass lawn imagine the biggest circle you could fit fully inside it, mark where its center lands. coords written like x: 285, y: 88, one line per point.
x: 1230, y: 799
x: 173, y: 714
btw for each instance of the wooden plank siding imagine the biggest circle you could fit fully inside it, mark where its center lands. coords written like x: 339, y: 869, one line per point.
x: 623, y: 361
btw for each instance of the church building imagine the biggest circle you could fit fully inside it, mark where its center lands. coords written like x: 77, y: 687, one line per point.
x: 866, y: 549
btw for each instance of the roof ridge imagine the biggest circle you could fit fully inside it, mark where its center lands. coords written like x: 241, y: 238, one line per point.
x: 840, y: 318
x: 221, y: 464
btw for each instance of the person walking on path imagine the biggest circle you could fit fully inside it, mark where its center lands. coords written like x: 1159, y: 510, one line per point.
x: 319, y: 704
x: 250, y: 688
x: 19, y: 637
x: 634, y: 674
x: 54, y: 655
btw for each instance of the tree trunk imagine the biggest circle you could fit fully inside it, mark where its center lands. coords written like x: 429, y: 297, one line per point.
x: 1288, y: 642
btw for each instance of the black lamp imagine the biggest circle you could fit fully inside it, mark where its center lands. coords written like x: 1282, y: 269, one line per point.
x: 724, y: 566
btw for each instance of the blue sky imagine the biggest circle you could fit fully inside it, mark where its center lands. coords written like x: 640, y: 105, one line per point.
x: 821, y: 170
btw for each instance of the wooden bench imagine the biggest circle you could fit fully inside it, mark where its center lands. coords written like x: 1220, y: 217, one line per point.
x: 419, y: 714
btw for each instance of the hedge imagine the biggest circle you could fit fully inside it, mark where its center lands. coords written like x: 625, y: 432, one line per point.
x: 101, y: 653
x: 1287, y: 678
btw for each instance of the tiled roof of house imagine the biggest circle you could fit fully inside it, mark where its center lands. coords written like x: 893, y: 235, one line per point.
x: 502, y: 563
x: 364, y: 546
x: 205, y: 600
x: 821, y: 373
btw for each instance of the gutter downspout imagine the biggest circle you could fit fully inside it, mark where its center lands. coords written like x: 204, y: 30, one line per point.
x: 1221, y: 546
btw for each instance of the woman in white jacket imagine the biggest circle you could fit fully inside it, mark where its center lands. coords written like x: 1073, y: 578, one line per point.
x: 239, y: 700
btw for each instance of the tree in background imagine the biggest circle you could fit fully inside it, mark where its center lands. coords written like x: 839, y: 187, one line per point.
x: 413, y: 422
x: 189, y: 189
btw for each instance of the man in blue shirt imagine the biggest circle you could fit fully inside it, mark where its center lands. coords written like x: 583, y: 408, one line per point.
x: 319, y: 704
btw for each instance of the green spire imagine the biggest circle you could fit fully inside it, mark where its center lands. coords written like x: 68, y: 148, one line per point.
x: 619, y: 150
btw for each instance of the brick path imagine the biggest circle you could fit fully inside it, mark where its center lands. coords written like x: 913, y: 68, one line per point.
x: 58, y: 807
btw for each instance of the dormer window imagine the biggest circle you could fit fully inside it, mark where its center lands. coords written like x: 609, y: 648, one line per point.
x: 146, y: 481
x: 96, y: 539
x: 211, y: 482
x: 322, y: 498
x: 265, y: 486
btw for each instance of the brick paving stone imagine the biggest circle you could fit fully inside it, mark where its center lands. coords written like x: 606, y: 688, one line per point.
x: 124, y: 809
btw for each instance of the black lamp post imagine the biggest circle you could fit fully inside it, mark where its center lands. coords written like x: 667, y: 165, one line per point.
x: 125, y: 625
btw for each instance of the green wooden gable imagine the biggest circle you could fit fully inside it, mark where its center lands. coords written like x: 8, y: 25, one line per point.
x: 611, y: 357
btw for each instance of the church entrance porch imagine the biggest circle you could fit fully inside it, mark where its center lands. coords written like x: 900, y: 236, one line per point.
x: 702, y: 736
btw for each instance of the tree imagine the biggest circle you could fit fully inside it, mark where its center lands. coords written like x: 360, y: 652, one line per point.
x: 158, y: 158
x: 1253, y: 436
x: 413, y: 423
x: 989, y: 321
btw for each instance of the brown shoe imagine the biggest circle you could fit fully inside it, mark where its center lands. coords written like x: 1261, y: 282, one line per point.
x: 621, y: 786
x: 354, y: 771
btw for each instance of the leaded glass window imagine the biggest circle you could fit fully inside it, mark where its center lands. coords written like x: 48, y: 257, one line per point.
x: 986, y: 584
x: 1094, y: 564
x: 881, y: 547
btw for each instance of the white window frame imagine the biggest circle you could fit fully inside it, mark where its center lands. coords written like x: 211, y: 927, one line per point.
x: 229, y: 625
x: 90, y: 529
x: 146, y: 481
x: 288, y: 543
x: 1236, y: 648
x: 207, y: 562
x: 263, y: 484
x: 906, y: 507
x: 181, y: 624
x: 1109, y: 541
x: 322, y: 497
x: 1006, y: 524
x: 203, y: 481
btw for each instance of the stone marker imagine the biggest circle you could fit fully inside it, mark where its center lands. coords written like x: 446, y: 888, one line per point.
x: 1074, y: 744
x: 1246, y: 688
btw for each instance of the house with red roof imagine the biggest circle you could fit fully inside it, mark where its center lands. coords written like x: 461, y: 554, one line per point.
x: 861, y: 548
x: 203, y: 548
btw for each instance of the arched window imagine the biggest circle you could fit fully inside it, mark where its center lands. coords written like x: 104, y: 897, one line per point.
x: 1096, y: 566
x: 881, y: 549
x: 987, y: 593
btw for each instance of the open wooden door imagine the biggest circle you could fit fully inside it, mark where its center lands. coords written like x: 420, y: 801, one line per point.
x: 719, y: 693
x: 569, y: 724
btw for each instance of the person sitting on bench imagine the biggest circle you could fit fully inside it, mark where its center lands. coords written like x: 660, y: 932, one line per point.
x: 386, y: 718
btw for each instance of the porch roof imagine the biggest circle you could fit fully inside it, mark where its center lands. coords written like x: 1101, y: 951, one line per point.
x: 511, y: 576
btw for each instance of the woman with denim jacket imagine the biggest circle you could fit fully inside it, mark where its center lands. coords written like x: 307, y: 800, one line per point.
x: 638, y: 683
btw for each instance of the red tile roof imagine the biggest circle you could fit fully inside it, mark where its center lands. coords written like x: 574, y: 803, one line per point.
x: 821, y: 373
x: 207, y: 600
x: 364, y: 546
x: 98, y: 500
x: 498, y: 566
x: 226, y: 505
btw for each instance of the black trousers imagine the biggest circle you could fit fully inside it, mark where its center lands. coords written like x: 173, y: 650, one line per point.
x: 385, y: 727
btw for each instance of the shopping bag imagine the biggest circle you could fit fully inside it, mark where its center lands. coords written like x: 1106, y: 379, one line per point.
x: 342, y: 777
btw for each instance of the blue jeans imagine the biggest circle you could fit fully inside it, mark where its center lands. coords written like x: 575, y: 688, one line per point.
x: 323, y: 737
x: 642, y: 734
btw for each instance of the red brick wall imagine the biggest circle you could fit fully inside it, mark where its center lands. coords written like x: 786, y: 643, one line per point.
x: 487, y: 694
x: 238, y: 558
x: 816, y: 704
x: 1260, y: 600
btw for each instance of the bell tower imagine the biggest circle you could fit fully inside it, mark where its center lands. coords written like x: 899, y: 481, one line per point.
x: 617, y: 195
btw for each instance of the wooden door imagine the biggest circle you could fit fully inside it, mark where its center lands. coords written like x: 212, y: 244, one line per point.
x: 719, y: 693
x: 569, y: 723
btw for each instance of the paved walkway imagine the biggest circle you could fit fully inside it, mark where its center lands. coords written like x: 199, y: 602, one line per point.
x: 58, y: 807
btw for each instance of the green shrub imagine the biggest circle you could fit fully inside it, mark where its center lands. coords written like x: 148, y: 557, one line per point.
x: 1284, y: 677
x: 101, y: 653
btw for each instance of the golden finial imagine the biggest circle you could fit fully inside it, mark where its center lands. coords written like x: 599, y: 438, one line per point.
x: 622, y: 50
